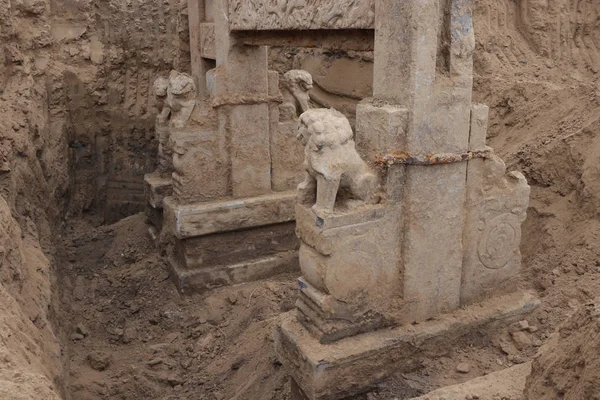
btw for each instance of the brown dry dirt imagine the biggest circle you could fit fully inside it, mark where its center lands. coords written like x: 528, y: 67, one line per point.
x: 87, y: 311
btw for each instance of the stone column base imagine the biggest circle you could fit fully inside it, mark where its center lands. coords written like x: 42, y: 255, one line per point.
x: 351, y: 366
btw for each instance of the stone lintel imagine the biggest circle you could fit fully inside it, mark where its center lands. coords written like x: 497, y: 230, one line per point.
x: 198, y: 280
x: 334, y: 40
x: 157, y: 188
x: 352, y: 365
x: 324, y: 14
x: 199, y: 219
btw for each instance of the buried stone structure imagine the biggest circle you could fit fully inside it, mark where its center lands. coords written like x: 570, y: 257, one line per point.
x: 409, y: 228
x: 222, y: 199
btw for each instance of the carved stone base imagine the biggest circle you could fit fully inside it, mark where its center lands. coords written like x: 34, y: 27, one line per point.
x: 200, y: 279
x: 353, y: 365
x: 329, y: 319
x: 231, y: 241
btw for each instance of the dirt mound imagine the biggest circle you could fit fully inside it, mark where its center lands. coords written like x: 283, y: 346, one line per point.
x: 567, y: 366
x: 133, y: 336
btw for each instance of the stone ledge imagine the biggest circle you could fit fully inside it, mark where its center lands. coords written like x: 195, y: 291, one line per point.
x: 157, y: 188
x: 201, y: 279
x: 352, y: 365
x: 200, y: 219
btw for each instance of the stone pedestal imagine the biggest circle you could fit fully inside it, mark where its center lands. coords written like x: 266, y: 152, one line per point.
x: 355, y: 364
x: 230, y: 241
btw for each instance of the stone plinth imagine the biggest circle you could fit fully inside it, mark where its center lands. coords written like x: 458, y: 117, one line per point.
x: 353, y: 365
x: 231, y: 241
x: 156, y: 188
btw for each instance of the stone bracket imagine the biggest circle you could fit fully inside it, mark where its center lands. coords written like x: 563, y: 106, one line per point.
x: 200, y: 219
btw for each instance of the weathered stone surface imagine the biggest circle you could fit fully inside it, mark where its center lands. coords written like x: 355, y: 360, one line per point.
x: 198, y: 219
x: 251, y: 163
x: 287, y: 157
x: 301, y: 14
x: 189, y: 281
x: 207, y: 40
x: 352, y: 365
x: 157, y: 188
x: 331, y: 161
x: 197, y: 155
x: 496, y: 207
x: 296, y: 84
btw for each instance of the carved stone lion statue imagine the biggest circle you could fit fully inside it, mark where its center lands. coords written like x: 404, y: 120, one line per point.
x: 296, y: 85
x: 331, y: 161
x: 181, y: 98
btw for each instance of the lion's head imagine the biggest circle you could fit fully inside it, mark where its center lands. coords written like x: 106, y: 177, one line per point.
x: 325, y: 127
x: 180, y: 83
x: 298, y: 79
x: 161, y: 84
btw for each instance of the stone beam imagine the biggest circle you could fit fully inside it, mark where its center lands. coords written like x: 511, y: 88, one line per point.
x: 199, y: 219
x: 301, y: 14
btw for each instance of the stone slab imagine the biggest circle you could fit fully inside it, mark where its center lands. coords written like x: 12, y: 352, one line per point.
x: 198, y: 219
x: 301, y: 14
x: 156, y: 189
x: 234, y: 247
x: 198, y: 280
x: 352, y: 365
x: 287, y: 157
x: 207, y: 41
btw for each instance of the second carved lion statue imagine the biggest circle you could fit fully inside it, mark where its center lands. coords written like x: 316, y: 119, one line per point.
x: 331, y: 161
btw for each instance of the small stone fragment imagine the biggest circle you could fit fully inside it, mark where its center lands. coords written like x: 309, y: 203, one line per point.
x: 232, y: 297
x: 523, y: 325
x: 463, y: 368
x: 521, y: 340
x: 99, y: 360
x: 76, y: 337
x: 81, y: 329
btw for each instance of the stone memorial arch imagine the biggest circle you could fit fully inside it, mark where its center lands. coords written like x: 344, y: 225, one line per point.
x: 409, y: 225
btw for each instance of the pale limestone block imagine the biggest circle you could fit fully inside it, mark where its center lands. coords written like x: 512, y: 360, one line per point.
x: 156, y: 188
x: 211, y: 82
x: 199, y: 154
x: 301, y: 14
x: 380, y: 129
x: 207, y: 40
x: 251, y: 158
x: 496, y: 207
x: 200, y: 219
x: 287, y: 155
x: 479, y: 125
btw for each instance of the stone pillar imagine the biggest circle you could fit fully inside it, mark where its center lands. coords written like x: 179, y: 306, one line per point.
x: 242, y: 94
x: 412, y: 73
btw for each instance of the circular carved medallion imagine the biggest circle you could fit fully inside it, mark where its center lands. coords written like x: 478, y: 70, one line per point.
x: 500, y: 241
